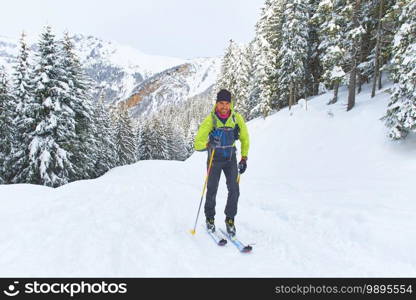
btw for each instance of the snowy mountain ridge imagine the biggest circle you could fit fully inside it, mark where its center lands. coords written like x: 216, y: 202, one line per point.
x: 117, y: 70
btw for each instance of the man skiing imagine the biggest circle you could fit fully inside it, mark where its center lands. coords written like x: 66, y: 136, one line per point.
x: 218, y: 132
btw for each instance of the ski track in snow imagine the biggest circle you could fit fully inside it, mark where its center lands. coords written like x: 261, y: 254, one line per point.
x: 322, y: 196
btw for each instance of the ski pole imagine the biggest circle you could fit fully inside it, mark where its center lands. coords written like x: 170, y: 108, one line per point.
x: 203, y: 190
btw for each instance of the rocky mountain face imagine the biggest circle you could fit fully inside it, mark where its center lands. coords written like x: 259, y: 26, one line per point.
x: 173, y: 86
x: 121, y: 74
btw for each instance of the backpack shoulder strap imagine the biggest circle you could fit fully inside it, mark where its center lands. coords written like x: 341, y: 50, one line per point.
x: 214, y: 120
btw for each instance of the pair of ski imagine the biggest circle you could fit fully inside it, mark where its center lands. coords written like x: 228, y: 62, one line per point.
x: 221, y: 240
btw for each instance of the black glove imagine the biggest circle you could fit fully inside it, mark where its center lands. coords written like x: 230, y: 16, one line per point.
x: 214, y: 142
x: 242, y: 165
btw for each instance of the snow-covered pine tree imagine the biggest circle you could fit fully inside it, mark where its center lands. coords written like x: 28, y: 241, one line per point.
x: 264, y: 93
x: 7, y: 131
x: 147, y: 142
x: 377, y: 51
x: 164, y: 136
x: 49, y: 163
x: 143, y: 139
x: 25, y: 120
x: 153, y: 139
x: 313, y: 69
x: 106, y: 156
x: 391, y: 24
x: 180, y: 152
x: 4, y: 152
x: 244, y: 73
x: 199, y: 108
x: 365, y: 57
x: 354, y: 35
x: 125, y: 137
x: 262, y: 78
x: 292, y: 53
x: 269, y: 28
x: 331, y: 30
x: 401, y: 112
x: 77, y: 101
x: 174, y: 132
x: 235, y: 74
x: 253, y: 91
x: 188, y: 124
x: 229, y: 69
x: 139, y: 129
x: 175, y: 142
x: 161, y: 137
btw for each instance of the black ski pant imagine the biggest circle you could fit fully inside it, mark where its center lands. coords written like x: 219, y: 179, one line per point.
x: 231, y: 171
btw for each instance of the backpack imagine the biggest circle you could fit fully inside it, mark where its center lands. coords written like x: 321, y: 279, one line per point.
x: 228, y: 136
x: 236, y: 127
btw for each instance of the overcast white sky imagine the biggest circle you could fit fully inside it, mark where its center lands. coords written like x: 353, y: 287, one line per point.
x: 178, y: 28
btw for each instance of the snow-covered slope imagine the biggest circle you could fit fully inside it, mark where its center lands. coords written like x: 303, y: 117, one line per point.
x: 325, y: 194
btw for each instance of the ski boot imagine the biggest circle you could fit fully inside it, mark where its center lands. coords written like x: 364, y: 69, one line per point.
x: 229, y: 224
x: 210, y: 224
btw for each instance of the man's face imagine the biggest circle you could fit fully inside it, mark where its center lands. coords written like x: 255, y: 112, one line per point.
x: 223, y: 107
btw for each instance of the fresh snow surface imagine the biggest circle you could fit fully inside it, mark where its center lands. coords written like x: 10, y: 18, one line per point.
x: 325, y: 194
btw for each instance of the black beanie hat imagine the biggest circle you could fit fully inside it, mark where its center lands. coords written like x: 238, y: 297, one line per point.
x: 224, y: 95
